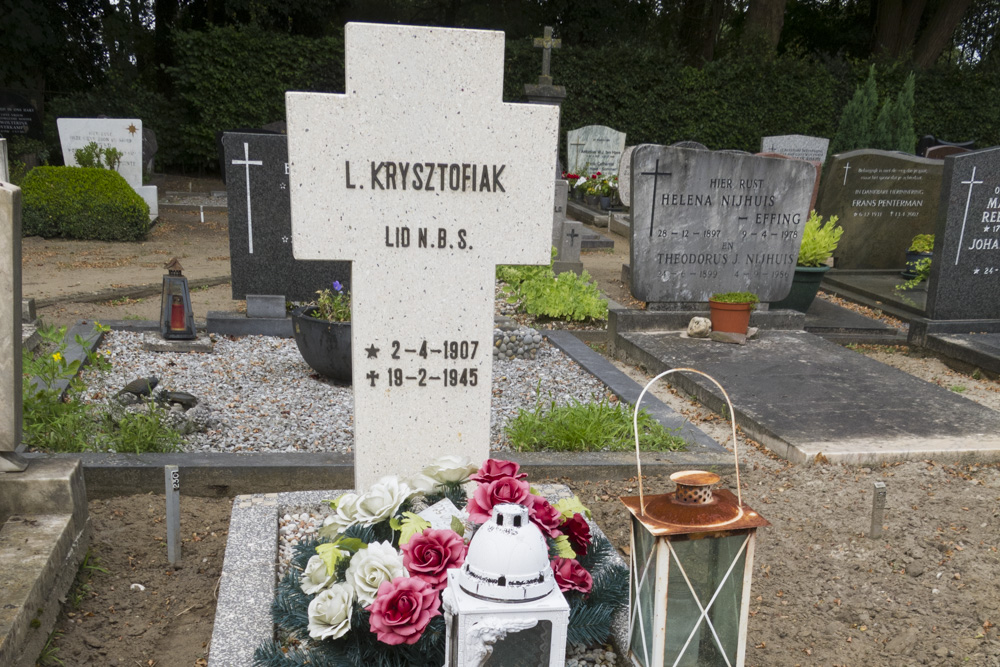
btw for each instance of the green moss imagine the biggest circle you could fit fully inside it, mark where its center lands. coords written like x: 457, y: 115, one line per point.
x: 734, y: 297
x: 81, y: 203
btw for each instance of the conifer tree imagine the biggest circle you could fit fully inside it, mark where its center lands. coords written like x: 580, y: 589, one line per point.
x: 903, y: 136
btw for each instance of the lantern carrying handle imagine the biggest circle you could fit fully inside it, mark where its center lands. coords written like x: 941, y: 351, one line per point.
x: 635, y: 429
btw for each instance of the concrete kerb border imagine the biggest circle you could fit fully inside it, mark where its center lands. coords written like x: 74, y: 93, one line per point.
x: 217, y: 475
x: 133, y: 292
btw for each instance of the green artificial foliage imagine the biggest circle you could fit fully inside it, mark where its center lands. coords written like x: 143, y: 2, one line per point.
x: 82, y: 203
x: 819, y: 240
x: 922, y: 243
x: 735, y: 297
x: 921, y: 271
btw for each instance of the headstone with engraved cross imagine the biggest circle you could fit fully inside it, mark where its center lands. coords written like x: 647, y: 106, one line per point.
x: 427, y: 180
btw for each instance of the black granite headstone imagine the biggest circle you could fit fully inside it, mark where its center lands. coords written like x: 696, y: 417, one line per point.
x: 882, y: 200
x: 965, y: 269
x: 220, y: 149
x: 260, y: 224
x: 18, y: 116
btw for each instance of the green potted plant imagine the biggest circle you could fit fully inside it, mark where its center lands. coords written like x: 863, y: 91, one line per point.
x: 819, y: 240
x: 730, y: 311
x: 322, y: 332
x: 921, y: 247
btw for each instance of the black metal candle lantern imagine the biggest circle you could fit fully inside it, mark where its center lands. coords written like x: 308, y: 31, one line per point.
x: 176, y: 316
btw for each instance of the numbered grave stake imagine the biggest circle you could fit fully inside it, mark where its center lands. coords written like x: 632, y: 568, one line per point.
x: 172, y: 479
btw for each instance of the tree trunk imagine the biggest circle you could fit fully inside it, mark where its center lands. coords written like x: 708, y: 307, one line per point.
x: 896, y: 25
x: 939, y: 32
x: 699, y: 28
x: 765, y: 19
x: 163, y: 55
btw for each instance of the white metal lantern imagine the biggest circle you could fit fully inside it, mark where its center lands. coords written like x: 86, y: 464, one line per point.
x: 691, y: 566
x: 503, y: 606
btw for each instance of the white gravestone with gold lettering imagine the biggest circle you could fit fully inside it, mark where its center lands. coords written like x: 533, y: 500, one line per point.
x: 424, y: 178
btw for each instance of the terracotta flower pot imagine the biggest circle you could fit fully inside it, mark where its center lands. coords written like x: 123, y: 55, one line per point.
x: 325, y: 346
x: 730, y: 317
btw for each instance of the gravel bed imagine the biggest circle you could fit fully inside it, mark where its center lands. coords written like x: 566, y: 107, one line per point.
x: 265, y: 398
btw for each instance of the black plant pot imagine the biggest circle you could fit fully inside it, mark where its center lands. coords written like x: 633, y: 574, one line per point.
x: 325, y: 346
x: 805, y: 285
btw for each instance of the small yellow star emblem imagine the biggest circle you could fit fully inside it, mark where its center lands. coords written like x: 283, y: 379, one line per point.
x: 132, y: 129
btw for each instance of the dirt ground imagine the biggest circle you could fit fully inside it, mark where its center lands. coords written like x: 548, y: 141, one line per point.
x: 925, y: 593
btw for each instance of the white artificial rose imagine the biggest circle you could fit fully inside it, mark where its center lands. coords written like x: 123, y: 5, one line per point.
x: 330, y: 612
x: 421, y: 483
x: 382, y: 500
x: 345, y: 516
x: 450, y: 469
x: 376, y: 563
x: 314, y: 578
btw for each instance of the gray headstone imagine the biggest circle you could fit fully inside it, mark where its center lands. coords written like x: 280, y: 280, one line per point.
x: 559, y: 210
x: 18, y: 116
x: 883, y: 199
x: 149, y: 148
x: 594, y: 148
x: 4, y: 168
x: 260, y: 225
x: 705, y: 222
x: 799, y: 146
x: 570, y: 242
x: 965, y: 269
x: 690, y: 144
x: 943, y: 151
x: 625, y: 176
x: 819, y: 171
x: 10, y: 317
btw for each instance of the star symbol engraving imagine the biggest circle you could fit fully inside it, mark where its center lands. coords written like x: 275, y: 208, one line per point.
x: 284, y: 239
x: 283, y: 186
x: 132, y: 129
x: 975, y: 270
x: 372, y: 351
x: 986, y: 228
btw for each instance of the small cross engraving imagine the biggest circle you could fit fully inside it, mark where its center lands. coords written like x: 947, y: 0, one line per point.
x: 372, y: 376
x: 572, y: 237
x: 546, y: 44
x: 656, y: 173
x: 846, y: 169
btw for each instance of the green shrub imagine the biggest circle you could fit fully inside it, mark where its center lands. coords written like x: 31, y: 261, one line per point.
x: 541, y: 292
x: 588, y: 427
x: 735, y: 297
x: 82, y: 203
x: 922, y: 243
x: 98, y: 157
x: 818, y: 240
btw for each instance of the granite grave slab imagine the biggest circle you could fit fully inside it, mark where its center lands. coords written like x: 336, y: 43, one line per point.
x: 798, y: 146
x: 260, y: 224
x: 882, y: 199
x: 965, y: 272
x: 803, y: 397
x: 124, y: 134
x: 18, y: 116
x: 941, y: 152
x: 594, y: 148
x: 705, y: 222
x: 426, y: 180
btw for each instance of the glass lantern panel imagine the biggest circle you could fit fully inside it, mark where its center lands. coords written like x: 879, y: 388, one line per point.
x: 527, y: 648
x: 705, y: 561
x: 644, y: 596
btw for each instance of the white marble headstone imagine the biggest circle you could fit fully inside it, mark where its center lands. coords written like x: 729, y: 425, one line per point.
x: 10, y: 317
x: 4, y: 169
x: 424, y: 178
x: 594, y: 148
x: 799, y: 146
x: 125, y: 134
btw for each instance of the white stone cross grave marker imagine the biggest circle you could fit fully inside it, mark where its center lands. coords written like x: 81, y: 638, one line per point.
x: 427, y: 180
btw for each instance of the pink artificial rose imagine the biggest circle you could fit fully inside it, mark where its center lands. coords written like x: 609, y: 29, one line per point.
x: 494, y: 469
x: 577, y: 530
x: 544, y: 515
x: 430, y: 554
x: 402, y: 609
x: 570, y: 575
x: 503, y: 490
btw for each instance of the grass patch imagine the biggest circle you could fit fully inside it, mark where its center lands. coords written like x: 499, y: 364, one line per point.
x: 588, y: 427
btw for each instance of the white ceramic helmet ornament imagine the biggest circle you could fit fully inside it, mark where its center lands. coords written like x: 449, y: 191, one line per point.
x: 508, y: 559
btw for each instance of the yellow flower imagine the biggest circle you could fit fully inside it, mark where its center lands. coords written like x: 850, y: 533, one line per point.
x: 57, y: 356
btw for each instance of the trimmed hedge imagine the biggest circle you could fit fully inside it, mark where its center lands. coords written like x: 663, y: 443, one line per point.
x: 81, y: 203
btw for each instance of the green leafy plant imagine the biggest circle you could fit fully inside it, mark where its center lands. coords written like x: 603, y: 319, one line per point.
x: 98, y: 157
x: 922, y: 243
x: 50, y: 652
x: 587, y: 427
x: 56, y: 422
x: 819, y: 240
x: 333, y: 305
x: 921, y: 271
x: 82, y: 203
x: 735, y: 297
x: 540, y: 292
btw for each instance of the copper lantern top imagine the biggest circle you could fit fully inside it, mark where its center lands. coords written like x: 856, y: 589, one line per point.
x: 693, y: 507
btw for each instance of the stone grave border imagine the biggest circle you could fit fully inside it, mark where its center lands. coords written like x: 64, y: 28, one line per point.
x: 249, y: 573
x: 220, y: 474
